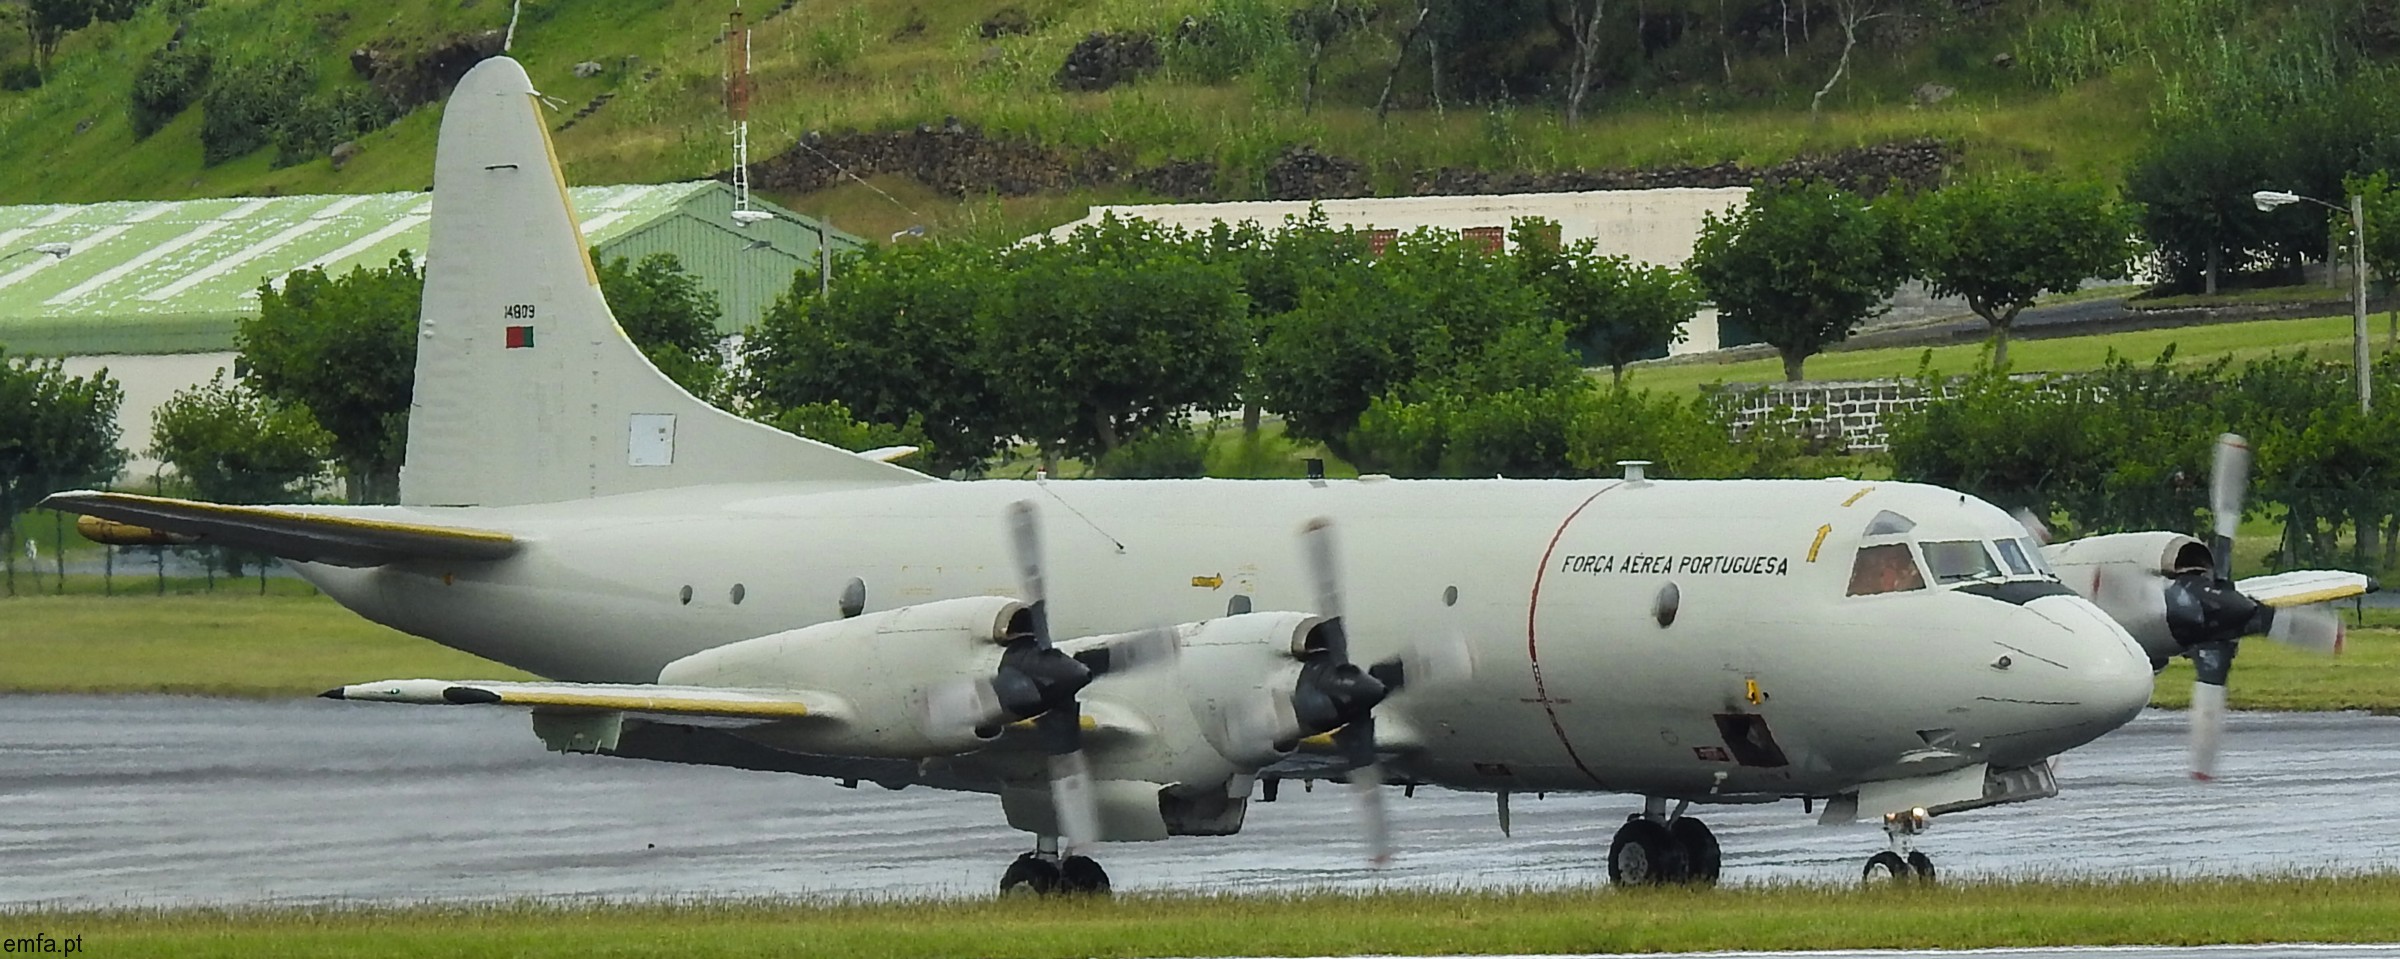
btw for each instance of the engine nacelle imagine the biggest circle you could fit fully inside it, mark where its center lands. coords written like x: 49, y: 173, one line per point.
x: 881, y: 665
x: 1238, y: 674
x: 2126, y: 575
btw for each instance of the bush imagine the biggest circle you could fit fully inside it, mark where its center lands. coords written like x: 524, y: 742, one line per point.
x: 328, y: 119
x: 1164, y: 453
x: 248, y: 102
x: 170, y: 80
x: 20, y: 76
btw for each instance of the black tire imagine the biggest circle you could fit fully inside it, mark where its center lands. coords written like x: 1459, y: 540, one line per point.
x: 1079, y: 875
x: 1887, y: 866
x: 1702, y: 857
x: 1922, y: 865
x: 1645, y: 854
x: 1030, y: 874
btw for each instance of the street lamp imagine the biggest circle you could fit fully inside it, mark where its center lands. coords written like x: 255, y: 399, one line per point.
x: 2267, y: 201
x: 59, y: 250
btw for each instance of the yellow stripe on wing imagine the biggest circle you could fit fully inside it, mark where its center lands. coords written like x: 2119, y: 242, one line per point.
x: 639, y: 703
x: 2326, y: 595
x: 170, y: 507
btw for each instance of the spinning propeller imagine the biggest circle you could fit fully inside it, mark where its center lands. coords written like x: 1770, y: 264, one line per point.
x: 1038, y: 681
x: 1335, y: 695
x: 2203, y: 610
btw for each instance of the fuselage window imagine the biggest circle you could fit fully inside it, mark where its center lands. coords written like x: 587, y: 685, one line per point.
x: 1884, y: 569
x: 2014, y: 555
x: 1958, y: 561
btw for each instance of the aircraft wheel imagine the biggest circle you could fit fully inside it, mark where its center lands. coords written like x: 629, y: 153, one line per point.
x: 1646, y: 854
x: 1922, y: 865
x: 1079, y: 875
x: 1030, y: 875
x: 1887, y: 866
x: 1700, y: 851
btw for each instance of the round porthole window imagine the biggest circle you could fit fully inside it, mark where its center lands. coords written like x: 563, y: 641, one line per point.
x: 737, y: 593
x: 1670, y: 600
x: 685, y: 596
x: 1449, y: 595
x: 854, y: 597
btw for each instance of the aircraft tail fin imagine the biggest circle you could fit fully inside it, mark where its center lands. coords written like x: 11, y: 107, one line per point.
x: 527, y: 391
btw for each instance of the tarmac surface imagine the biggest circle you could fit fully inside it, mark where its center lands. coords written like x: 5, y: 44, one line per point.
x: 152, y: 800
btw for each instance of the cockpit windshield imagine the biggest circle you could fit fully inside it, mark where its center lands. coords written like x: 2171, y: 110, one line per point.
x: 1888, y: 568
x: 2012, y: 553
x: 1959, y: 561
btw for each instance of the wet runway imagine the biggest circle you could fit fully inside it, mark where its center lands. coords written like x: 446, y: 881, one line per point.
x: 168, y: 801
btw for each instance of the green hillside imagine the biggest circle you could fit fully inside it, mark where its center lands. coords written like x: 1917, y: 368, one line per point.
x: 2005, y: 83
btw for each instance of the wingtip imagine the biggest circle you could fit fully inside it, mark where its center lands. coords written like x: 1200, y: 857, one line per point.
x: 334, y: 693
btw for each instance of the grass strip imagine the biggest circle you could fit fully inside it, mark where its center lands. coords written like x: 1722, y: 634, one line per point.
x: 2020, y: 913
x: 218, y: 644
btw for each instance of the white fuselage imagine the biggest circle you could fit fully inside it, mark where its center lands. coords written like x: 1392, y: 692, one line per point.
x: 1555, y: 586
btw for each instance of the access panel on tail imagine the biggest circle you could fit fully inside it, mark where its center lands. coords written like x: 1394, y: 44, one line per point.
x: 527, y: 391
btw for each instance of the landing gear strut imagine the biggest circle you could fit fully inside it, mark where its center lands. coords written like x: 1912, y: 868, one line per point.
x: 1656, y: 847
x: 1043, y: 872
x: 1902, y: 862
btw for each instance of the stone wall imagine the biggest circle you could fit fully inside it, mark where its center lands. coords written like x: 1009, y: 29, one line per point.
x: 1852, y: 410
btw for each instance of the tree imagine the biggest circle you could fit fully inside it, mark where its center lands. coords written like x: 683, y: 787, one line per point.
x: 2382, y: 207
x: 674, y: 320
x: 1801, y: 264
x: 345, y: 350
x: 1851, y: 14
x: 899, y: 340
x: 1434, y: 305
x: 1118, y: 330
x: 1277, y: 269
x: 56, y: 432
x: 1615, y: 311
x: 235, y: 446
x: 1999, y: 242
x: 1585, y: 28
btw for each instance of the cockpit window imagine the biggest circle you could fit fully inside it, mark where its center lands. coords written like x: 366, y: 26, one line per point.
x: 1889, y: 522
x: 2033, y: 554
x: 2013, y: 555
x: 1885, y: 569
x: 1957, y: 561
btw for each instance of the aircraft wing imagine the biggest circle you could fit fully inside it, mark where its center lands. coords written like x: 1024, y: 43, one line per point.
x: 286, y: 532
x: 620, y: 697
x: 2302, y: 587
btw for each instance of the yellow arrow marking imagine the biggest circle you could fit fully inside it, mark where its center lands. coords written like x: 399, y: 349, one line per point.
x: 1819, y: 542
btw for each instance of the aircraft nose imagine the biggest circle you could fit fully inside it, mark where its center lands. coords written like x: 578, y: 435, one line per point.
x: 2107, y: 675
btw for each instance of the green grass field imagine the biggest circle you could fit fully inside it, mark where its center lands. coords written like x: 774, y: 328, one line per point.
x: 2325, y: 336
x: 224, y: 644
x: 1959, y: 915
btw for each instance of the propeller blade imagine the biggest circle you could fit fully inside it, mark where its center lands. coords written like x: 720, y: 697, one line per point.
x: 2316, y: 627
x: 1366, y: 786
x: 1025, y: 535
x: 1260, y: 730
x: 1434, y: 661
x: 1147, y: 649
x: 2208, y: 728
x: 1072, y: 798
x: 964, y: 704
x: 2229, y: 479
x: 2034, y: 527
x: 1317, y: 540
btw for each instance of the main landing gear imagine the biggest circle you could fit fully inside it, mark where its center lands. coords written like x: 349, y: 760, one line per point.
x: 1043, y: 872
x: 1902, y: 862
x: 1656, y: 848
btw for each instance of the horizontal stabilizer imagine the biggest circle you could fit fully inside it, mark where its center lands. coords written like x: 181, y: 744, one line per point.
x: 2305, y: 586
x: 623, y: 697
x: 300, y: 534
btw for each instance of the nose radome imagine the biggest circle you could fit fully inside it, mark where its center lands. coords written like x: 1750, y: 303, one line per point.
x: 2110, y: 674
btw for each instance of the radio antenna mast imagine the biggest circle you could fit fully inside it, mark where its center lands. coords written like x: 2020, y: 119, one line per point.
x: 737, y: 103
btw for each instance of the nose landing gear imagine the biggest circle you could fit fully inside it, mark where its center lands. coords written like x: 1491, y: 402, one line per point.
x: 1902, y: 862
x: 1655, y: 847
x: 1044, y: 872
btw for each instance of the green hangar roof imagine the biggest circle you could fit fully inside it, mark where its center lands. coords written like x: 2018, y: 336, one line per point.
x: 173, y: 276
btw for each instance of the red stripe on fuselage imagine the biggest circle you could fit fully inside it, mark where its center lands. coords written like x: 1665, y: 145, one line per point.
x: 1533, y: 653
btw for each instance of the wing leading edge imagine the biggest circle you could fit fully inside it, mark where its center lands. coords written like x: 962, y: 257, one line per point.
x: 286, y: 532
